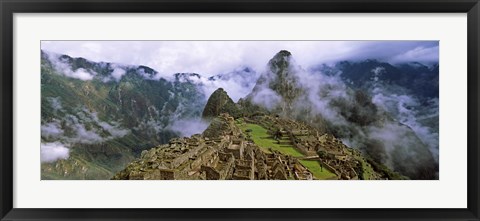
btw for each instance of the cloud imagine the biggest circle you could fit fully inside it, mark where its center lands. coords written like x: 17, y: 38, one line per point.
x: 189, y: 127
x: 64, y: 68
x: 236, y: 83
x: 56, y: 103
x: 81, y: 74
x: 52, y: 129
x: 409, y: 111
x: 418, y: 54
x: 210, y: 58
x: 267, y: 98
x: 113, y: 128
x: 230, y: 58
x: 330, y: 104
x: 117, y: 73
x: 84, y: 127
x: 51, y: 152
x: 325, y: 93
x: 85, y: 136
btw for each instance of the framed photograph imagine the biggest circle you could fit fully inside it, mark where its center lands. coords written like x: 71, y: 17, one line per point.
x: 271, y: 109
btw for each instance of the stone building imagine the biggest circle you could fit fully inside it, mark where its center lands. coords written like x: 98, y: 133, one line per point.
x: 223, y: 152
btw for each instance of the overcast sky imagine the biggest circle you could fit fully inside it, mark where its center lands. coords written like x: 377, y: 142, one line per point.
x: 215, y: 57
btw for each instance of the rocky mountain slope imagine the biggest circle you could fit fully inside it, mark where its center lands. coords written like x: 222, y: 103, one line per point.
x: 409, y: 92
x: 219, y: 102
x: 97, y: 117
x: 348, y: 121
x: 419, y: 79
x: 327, y: 103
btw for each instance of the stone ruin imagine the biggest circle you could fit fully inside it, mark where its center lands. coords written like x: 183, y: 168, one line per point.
x: 225, y: 157
x: 223, y: 152
x: 336, y: 157
x: 228, y: 158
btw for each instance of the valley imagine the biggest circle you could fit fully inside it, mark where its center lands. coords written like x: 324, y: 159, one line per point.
x: 353, y: 120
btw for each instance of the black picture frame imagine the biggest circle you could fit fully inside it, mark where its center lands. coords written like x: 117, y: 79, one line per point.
x: 9, y: 7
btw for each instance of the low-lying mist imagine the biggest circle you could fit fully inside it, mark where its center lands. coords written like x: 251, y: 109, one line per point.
x: 385, y: 121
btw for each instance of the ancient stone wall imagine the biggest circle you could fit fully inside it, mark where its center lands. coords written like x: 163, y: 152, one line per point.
x: 211, y: 173
x: 227, y: 169
x: 333, y: 170
x: 186, y: 156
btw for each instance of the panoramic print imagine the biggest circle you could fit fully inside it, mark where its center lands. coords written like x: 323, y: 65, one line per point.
x: 239, y: 110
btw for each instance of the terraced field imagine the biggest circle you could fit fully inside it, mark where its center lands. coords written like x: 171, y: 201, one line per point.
x: 260, y: 136
x: 317, y: 171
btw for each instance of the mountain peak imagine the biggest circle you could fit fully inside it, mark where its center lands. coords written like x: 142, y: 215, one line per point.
x: 218, y: 103
x: 281, y: 60
x: 283, y: 53
x: 281, y: 81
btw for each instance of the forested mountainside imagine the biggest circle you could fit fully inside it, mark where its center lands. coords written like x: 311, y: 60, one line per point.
x: 99, y: 117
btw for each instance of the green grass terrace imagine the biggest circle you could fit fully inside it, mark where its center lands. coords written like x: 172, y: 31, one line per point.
x: 265, y: 141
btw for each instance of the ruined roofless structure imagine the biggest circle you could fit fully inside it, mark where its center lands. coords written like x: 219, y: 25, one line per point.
x: 225, y: 152
x: 225, y: 155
